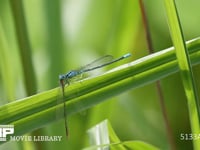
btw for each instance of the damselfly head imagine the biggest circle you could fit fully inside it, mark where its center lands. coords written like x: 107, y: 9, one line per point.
x: 62, y: 80
x: 61, y: 77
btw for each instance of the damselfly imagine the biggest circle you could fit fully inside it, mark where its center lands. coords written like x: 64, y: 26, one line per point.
x: 99, y: 63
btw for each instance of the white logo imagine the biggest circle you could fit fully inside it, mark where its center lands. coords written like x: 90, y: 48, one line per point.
x: 5, y: 130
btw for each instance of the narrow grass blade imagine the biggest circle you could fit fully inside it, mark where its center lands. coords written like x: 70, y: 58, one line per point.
x: 6, y: 66
x: 184, y: 63
x: 24, y: 46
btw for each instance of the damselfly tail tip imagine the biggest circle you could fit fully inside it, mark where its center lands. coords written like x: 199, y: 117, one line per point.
x: 127, y: 55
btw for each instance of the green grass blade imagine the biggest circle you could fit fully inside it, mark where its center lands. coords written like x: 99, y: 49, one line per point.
x: 103, y: 131
x: 25, y: 52
x: 6, y: 67
x: 24, y: 46
x: 39, y: 110
x: 103, y: 136
x: 185, y: 68
x: 128, y: 145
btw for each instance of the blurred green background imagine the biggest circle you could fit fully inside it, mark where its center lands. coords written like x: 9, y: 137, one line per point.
x: 66, y: 34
